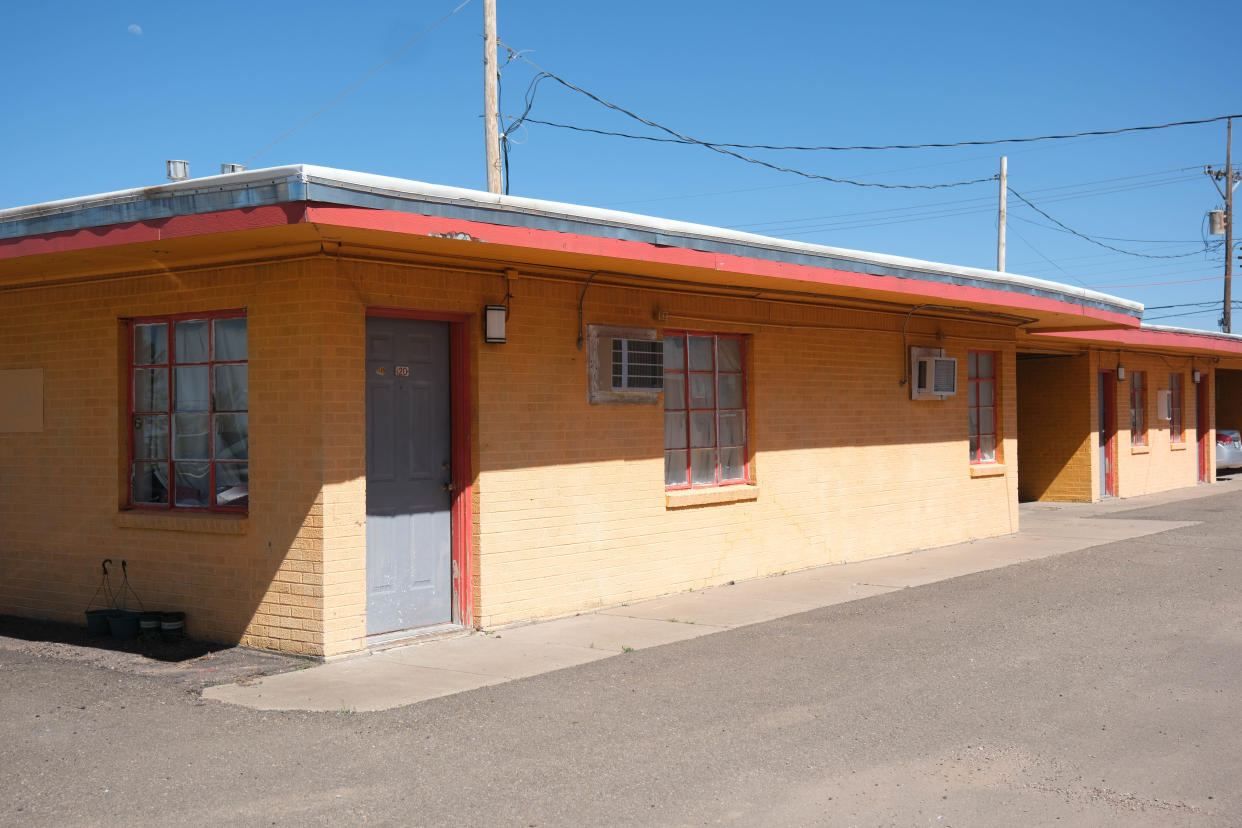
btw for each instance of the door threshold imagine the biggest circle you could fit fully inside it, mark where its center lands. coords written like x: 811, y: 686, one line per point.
x: 418, y: 635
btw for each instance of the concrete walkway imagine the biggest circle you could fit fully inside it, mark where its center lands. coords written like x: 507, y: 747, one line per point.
x: 418, y: 671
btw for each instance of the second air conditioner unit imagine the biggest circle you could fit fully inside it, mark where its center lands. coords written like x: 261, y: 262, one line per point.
x: 933, y: 376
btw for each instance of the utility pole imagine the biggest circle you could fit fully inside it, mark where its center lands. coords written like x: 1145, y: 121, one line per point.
x: 1000, y: 224
x: 491, y: 98
x: 1231, y: 180
x: 1229, y: 185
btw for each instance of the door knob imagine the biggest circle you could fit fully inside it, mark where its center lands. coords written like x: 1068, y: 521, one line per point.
x: 450, y: 486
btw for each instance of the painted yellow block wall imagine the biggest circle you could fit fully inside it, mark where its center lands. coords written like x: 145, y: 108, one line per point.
x: 257, y: 579
x: 1055, y: 430
x: 573, y: 511
x: 1163, y: 463
x: 570, y: 506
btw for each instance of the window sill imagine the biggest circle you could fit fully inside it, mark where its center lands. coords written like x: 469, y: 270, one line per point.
x: 987, y: 470
x: 1177, y: 446
x: 167, y: 522
x: 705, y: 497
x: 1140, y: 449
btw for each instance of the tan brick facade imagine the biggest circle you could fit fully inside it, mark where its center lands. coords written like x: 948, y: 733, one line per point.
x: 570, y: 506
x: 1056, y: 432
x: 1163, y: 463
x: 257, y: 579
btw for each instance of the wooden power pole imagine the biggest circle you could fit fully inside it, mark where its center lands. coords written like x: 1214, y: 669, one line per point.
x: 491, y: 99
x: 1228, y: 225
x: 1000, y: 224
x: 1230, y: 180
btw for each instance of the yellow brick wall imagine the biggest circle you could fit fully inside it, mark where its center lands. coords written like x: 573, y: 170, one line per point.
x: 1055, y: 429
x: 570, y: 508
x: 1162, y: 464
x: 848, y: 467
x: 258, y: 580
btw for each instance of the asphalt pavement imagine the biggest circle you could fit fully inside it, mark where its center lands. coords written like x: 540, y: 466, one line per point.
x: 1096, y: 686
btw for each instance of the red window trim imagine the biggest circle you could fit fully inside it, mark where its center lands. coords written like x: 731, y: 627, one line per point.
x: 1136, y: 438
x: 170, y: 320
x: 976, y: 458
x: 742, y: 340
x: 1175, y: 405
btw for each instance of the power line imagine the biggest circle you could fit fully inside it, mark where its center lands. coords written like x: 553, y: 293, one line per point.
x: 721, y: 149
x: 1189, y: 313
x: 1157, y: 284
x: 1084, y: 236
x: 922, y: 212
x: 360, y: 81
x: 1038, y: 252
x: 916, y: 212
x: 1211, y: 302
x: 1114, y: 238
x: 683, y: 140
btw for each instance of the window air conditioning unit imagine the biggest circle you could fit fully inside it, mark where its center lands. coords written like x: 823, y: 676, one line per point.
x: 932, y: 374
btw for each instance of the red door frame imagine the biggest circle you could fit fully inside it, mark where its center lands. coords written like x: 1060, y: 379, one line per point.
x: 462, y: 510
x: 1202, y: 428
x: 1110, y: 423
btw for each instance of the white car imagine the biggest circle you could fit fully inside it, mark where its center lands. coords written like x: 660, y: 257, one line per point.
x: 1228, y: 449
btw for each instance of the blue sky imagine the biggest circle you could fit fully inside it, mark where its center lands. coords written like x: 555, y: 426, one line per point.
x: 98, y: 95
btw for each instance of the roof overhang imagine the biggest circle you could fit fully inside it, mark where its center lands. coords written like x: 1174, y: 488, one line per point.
x: 283, y: 210
x: 1152, y: 338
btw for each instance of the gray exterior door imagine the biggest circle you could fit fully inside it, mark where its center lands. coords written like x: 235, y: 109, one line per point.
x: 409, y: 527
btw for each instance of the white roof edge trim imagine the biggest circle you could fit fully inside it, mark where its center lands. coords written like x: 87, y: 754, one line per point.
x: 210, y: 183
x: 406, y: 188
x: 1232, y: 337
x: 395, y: 186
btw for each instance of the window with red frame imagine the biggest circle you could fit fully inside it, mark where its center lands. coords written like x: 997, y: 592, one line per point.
x: 1138, y: 408
x: 1176, y: 433
x: 981, y: 379
x: 704, y: 410
x: 188, y: 412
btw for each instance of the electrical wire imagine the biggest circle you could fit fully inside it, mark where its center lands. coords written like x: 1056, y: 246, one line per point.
x: 1183, y: 305
x: 1188, y: 313
x: 1084, y: 236
x: 1118, y: 238
x: 520, y: 120
x: 683, y: 140
x: 729, y: 152
x: 935, y: 209
x: 1157, y: 284
x: 360, y: 81
x: 1041, y: 255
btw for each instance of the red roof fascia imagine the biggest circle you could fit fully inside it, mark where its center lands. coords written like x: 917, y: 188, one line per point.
x: 1137, y: 338
x: 529, y: 238
x: 137, y: 232
x: 409, y: 223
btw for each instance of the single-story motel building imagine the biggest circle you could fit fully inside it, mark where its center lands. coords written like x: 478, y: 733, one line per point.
x: 473, y: 410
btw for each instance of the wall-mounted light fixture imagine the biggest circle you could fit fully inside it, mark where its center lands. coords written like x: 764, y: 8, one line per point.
x: 1121, y: 373
x: 494, y: 324
x: 1196, y: 376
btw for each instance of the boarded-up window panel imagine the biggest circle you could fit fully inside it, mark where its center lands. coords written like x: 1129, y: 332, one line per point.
x: 21, y: 400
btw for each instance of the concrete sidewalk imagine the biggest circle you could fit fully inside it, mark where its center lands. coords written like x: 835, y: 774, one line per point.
x: 415, y: 672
